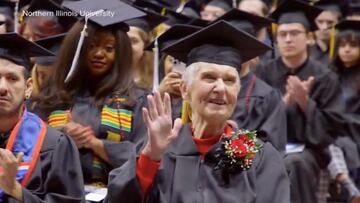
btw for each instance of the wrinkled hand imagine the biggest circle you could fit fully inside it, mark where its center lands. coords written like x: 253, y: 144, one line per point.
x: 158, y: 121
x: 83, y: 136
x: 8, y: 170
x: 171, y: 84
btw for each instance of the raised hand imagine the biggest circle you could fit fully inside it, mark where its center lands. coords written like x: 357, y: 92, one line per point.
x: 158, y: 121
x: 8, y: 170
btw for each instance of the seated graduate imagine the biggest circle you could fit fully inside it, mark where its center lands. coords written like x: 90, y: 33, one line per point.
x: 206, y: 160
x: 37, y: 163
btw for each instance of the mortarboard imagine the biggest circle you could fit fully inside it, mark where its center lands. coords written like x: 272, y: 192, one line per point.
x: 224, y: 4
x: 17, y: 49
x: 348, y: 25
x: 7, y: 8
x: 355, y: 9
x: 52, y: 44
x: 50, y: 5
x: 245, y: 21
x: 104, y: 14
x: 148, y: 22
x: 219, y: 43
x: 293, y: 11
x: 340, y: 6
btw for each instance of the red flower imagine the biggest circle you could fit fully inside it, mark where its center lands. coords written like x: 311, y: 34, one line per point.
x: 239, y: 148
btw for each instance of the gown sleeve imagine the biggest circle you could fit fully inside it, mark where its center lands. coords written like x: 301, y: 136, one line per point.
x: 57, y: 177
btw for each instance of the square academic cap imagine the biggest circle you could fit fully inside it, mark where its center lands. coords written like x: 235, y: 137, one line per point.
x: 245, y: 21
x: 148, y: 22
x: 340, y: 6
x: 219, y: 43
x: 53, y: 44
x: 7, y: 8
x: 224, y: 4
x: 104, y: 13
x: 17, y: 49
x: 293, y: 11
x: 348, y: 25
x: 173, y: 34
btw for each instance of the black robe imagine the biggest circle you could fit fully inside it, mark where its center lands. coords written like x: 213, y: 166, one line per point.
x: 184, y: 177
x: 57, y: 177
x: 88, y: 113
x: 317, y: 54
x: 316, y: 128
x: 260, y: 107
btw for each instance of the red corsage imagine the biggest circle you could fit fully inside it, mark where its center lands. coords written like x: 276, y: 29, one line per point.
x: 237, y: 151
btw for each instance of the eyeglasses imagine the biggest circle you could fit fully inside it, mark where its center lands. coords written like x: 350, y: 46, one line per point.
x: 292, y: 33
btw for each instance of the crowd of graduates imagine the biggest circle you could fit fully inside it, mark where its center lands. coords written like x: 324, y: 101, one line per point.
x: 120, y: 101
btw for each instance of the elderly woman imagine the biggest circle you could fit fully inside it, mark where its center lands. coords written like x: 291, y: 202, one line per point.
x: 208, y: 160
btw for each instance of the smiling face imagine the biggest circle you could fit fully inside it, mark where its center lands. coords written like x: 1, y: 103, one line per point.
x: 212, y: 94
x: 101, y: 55
x: 13, y: 88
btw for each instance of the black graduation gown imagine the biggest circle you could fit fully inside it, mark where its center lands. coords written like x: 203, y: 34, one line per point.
x: 260, y: 107
x: 57, y: 177
x: 184, y: 177
x: 317, y: 54
x: 323, y: 120
x: 88, y: 113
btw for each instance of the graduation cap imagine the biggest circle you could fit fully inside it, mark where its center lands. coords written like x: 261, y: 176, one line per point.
x: 293, y: 11
x: 340, y: 6
x: 224, y: 4
x: 348, y: 25
x: 53, y: 44
x: 17, y: 49
x: 219, y: 43
x: 23, y: 3
x: 245, y: 21
x: 52, y: 6
x: 7, y: 8
x: 104, y: 14
x: 148, y: 22
x: 355, y: 9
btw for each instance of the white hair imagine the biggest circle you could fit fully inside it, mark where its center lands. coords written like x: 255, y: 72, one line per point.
x: 189, y: 73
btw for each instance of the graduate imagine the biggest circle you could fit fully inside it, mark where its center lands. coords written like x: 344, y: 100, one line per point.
x: 37, y: 162
x: 259, y: 106
x: 333, y: 12
x: 141, y: 34
x: 92, y: 96
x: 312, y: 95
x: 193, y: 163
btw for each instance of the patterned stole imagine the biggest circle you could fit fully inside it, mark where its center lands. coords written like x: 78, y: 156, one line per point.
x: 27, y: 137
x: 113, y: 121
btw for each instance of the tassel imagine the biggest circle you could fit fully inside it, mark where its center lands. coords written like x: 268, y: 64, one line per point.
x: 80, y: 43
x: 234, y: 3
x: 16, y: 17
x: 186, y: 112
x: 156, y: 66
x: 332, y: 43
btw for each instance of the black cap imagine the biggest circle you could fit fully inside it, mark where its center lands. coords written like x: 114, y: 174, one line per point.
x: 53, y: 44
x: 173, y: 34
x: 148, y: 22
x: 340, y: 6
x: 219, y: 43
x: 17, y: 49
x: 293, y: 11
x: 7, y: 8
x: 246, y: 21
x: 105, y: 13
x: 23, y: 3
x: 52, y: 6
x: 224, y: 4
x: 355, y: 9
x: 348, y: 25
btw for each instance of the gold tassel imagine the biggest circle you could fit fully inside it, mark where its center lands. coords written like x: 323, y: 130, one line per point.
x: 186, y: 112
x: 332, y: 43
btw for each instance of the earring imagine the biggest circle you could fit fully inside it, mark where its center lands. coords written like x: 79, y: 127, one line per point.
x: 27, y: 97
